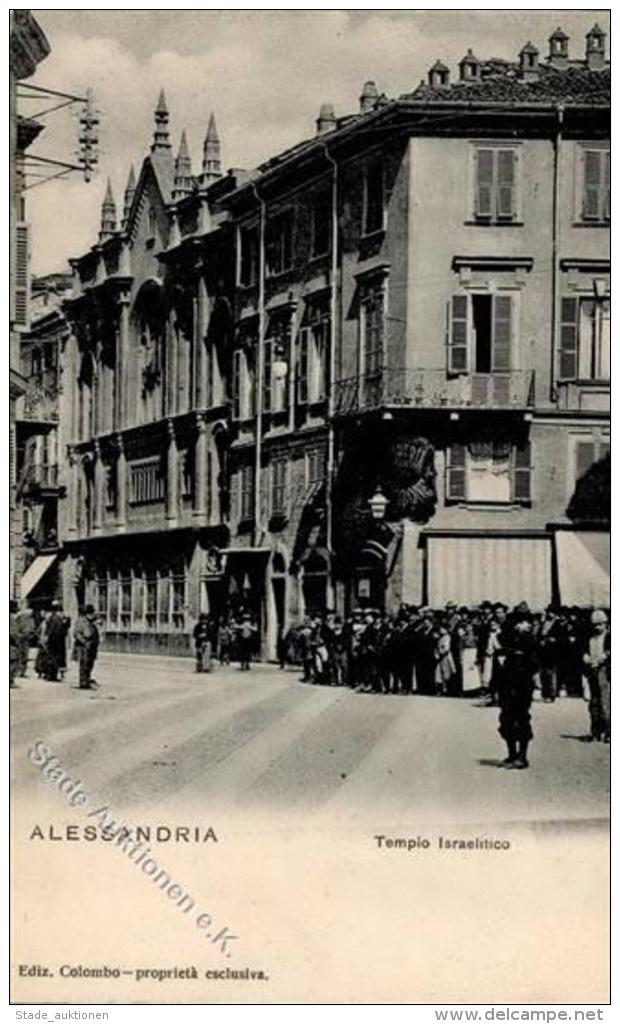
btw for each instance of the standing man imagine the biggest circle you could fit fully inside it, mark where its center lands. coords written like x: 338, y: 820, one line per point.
x: 246, y: 634
x: 26, y: 636
x: 517, y: 665
x: 597, y: 661
x: 86, y: 643
x: 56, y: 641
x: 202, y: 641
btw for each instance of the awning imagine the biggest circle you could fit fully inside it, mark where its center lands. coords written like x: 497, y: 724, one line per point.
x: 35, y: 573
x: 583, y: 558
x: 473, y: 569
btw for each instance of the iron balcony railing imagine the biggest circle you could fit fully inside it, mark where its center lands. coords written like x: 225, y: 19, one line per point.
x: 43, y: 475
x: 434, y: 389
x: 41, y: 403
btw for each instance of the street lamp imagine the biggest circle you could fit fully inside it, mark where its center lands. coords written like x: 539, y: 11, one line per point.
x: 378, y: 504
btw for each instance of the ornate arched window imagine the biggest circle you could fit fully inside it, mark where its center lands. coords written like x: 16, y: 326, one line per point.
x: 149, y: 322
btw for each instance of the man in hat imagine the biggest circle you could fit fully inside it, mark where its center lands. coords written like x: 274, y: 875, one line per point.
x: 56, y: 643
x: 202, y: 642
x: 246, y: 634
x: 86, y: 645
x: 516, y: 686
x: 597, y: 660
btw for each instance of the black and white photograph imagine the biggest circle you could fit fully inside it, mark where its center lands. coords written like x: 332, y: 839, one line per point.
x: 310, y: 494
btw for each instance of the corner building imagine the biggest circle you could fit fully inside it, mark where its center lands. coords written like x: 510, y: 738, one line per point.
x: 421, y: 314
x: 412, y: 306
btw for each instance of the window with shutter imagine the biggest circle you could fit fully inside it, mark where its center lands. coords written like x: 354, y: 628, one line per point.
x: 278, y: 487
x: 502, y: 332
x: 302, y: 366
x: 458, y: 335
x: 568, y: 338
x: 522, y: 472
x: 495, y: 184
x: 456, y: 478
x: 21, y: 310
x: 237, y: 383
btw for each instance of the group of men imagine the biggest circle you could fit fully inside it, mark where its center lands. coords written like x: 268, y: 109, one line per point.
x: 50, y: 638
x: 501, y: 654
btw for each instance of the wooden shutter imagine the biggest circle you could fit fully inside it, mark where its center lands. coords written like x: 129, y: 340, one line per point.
x: 456, y: 473
x: 303, y: 365
x: 267, y: 373
x: 502, y: 332
x: 568, y: 338
x: 505, y: 183
x: 592, y: 184
x: 485, y: 166
x: 522, y: 472
x: 607, y: 184
x: 21, y: 310
x: 458, y: 335
x: 585, y: 456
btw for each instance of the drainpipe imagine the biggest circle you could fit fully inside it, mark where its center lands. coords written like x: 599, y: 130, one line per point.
x: 555, y: 247
x: 331, y: 453
x: 259, y: 371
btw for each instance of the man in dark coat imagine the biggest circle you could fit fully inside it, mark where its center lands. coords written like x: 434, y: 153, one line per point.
x: 56, y: 643
x: 202, y: 642
x: 86, y: 644
x: 517, y: 665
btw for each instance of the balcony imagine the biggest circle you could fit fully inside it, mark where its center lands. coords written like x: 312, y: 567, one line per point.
x: 41, y: 477
x: 434, y: 389
x: 40, y: 403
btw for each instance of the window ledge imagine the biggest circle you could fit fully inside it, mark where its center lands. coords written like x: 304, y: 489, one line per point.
x: 493, y: 222
x: 489, y: 506
x: 372, y: 236
x: 592, y: 224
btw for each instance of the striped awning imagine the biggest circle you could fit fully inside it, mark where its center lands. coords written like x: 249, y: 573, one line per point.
x: 583, y: 559
x: 469, y: 570
x: 35, y: 573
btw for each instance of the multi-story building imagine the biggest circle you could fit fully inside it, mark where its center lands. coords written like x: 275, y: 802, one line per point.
x: 393, y: 342
x: 421, y: 361
x: 144, y: 405
x: 28, y: 47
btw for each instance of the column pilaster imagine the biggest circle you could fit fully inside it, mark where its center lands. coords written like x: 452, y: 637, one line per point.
x: 172, y: 474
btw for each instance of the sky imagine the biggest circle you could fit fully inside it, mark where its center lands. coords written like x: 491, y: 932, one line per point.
x: 263, y: 73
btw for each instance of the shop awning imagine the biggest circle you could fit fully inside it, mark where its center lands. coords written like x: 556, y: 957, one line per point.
x: 35, y: 573
x: 583, y: 559
x: 472, y: 569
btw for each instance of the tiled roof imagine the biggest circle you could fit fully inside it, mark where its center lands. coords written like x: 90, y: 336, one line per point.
x: 568, y: 85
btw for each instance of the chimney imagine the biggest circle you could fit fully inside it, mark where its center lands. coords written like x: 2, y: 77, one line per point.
x: 161, y: 137
x: 438, y: 75
x: 108, y: 214
x: 326, y: 121
x: 528, y: 62
x: 469, y: 68
x: 183, y: 181
x: 558, y: 49
x: 211, y: 160
x: 595, y: 48
x: 369, y: 97
x: 130, y: 191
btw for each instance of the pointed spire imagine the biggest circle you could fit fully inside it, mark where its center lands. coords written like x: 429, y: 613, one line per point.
x: 108, y: 214
x: 161, y: 137
x: 130, y: 191
x: 183, y: 181
x: 211, y: 163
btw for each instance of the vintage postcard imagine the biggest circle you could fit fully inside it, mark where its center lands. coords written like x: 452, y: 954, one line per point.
x: 310, y: 506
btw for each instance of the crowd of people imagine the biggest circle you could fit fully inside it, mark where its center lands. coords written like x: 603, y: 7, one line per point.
x: 50, y: 638
x: 503, y: 655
